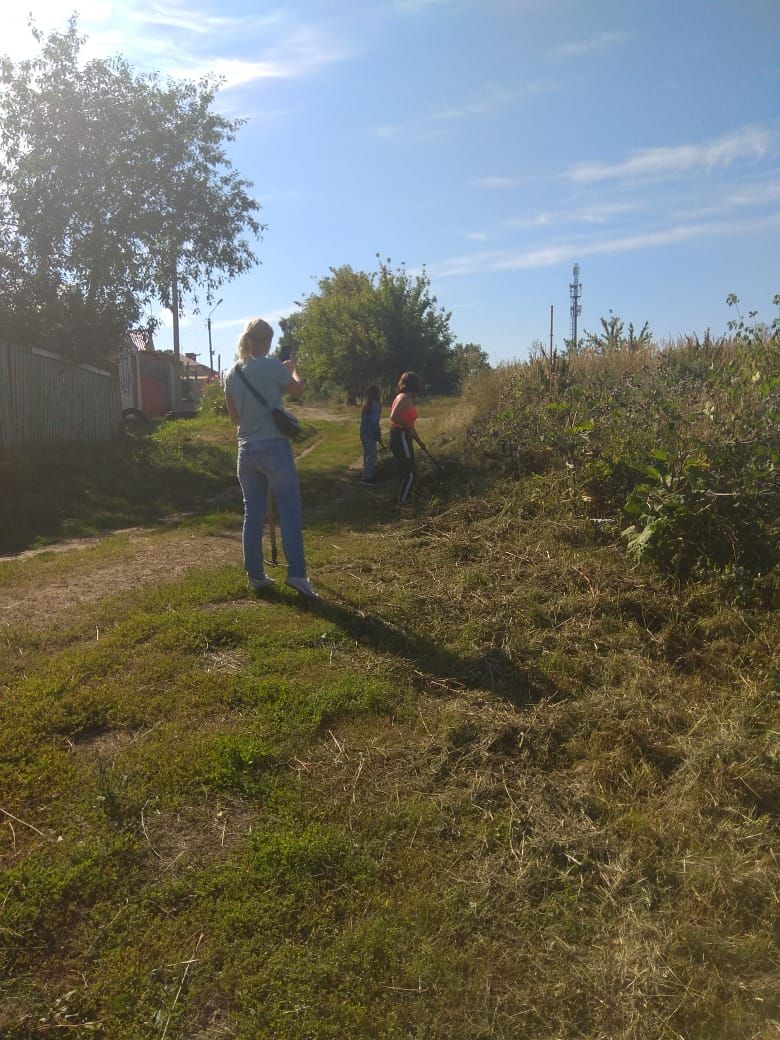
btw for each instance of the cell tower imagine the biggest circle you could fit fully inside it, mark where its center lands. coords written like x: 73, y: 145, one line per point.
x: 575, y: 295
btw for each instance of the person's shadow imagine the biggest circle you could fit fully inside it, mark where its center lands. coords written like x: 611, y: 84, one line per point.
x: 433, y: 664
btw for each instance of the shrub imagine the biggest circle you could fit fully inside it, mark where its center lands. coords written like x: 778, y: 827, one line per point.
x: 212, y: 401
x: 678, y: 446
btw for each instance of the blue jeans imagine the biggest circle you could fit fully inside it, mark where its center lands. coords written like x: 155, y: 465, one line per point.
x: 369, y: 457
x: 263, y: 466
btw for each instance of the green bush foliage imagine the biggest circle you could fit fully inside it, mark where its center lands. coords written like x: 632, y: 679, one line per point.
x: 363, y: 328
x: 120, y: 147
x: 212, y: 401
x: 675, y: 450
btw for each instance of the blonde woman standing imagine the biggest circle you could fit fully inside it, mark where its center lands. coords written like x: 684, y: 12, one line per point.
x: 265, y: 457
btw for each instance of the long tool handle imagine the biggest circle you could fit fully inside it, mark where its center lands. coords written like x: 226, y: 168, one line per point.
x: 433, y: 460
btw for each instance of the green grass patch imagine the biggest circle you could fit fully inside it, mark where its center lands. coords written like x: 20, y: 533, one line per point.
x: 503, y: 781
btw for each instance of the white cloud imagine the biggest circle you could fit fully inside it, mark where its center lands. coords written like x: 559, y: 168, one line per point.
x: 234, y: 71
x: 231, y: 323
x: 493, y: 96
x: 18, y: 42
x: 751, y: 142
x: 271, y: 316
x: 297, y: 51
x: 535, y: 221
x: 477, y: 236
x: 602, y: 212
x: 496, y: 182
x: 740, y: 195
x: 175, y: 17
x: 471, y: 263
x: 389, y: 132
x: 184, y: 41
x: 599, y: 42
x: 431, y: 126
x: 186, y: 321
x: 598, y: 213
x: 566, y: 252
x: 755, y: 194
x: 416, y: 6
x: 410, y: 134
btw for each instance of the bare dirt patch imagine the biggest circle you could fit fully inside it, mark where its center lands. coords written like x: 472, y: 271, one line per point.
x: 315, y: 412
x: 197, y: 834
x: 34, y: 599
x: 102, y: 741
x: 83, y: 574
x: 227, y: 662
x: 71, y: 545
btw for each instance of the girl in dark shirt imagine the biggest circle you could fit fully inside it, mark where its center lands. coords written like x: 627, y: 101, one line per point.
x: 370, y: 432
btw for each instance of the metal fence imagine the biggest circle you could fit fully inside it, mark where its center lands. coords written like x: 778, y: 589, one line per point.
x: 45, y: 398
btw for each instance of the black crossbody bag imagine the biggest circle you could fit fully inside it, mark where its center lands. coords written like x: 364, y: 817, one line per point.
x: 285, y: 422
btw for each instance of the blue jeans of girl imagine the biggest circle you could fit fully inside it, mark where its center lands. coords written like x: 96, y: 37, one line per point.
x: 265, y: 466
x: 369, y: 457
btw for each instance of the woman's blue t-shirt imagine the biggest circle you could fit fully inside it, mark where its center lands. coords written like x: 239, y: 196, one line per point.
x: 269, y: 377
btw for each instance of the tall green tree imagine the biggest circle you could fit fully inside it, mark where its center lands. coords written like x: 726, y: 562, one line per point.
x: 114, y: 186
x: 416, y: 328
x: 466, y: 359
x: 289, y: 341
x: 340, y: 342
x: 361, y: 328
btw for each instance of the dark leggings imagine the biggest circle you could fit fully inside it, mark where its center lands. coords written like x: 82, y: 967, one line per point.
x: 402, y: 447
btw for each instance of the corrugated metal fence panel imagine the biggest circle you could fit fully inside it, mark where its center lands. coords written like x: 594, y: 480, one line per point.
x: 43, y: 398
x: 5, y: 397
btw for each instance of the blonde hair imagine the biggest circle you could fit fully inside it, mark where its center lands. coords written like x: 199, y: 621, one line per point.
x: 257, y: 334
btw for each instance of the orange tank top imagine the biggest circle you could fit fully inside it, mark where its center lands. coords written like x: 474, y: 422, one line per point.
x: 410, y: 413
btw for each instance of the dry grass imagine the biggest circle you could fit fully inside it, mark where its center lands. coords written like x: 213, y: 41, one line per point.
x: 603, y: 755
x: 539, y: 802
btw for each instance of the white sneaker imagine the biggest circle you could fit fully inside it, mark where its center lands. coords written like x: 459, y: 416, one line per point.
x: 261, y: 583
x: 304, y: 586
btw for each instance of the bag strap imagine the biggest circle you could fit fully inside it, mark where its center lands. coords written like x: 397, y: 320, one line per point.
x: 255, y: 393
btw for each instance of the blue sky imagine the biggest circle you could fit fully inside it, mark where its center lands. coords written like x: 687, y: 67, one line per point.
x: 496, y: 142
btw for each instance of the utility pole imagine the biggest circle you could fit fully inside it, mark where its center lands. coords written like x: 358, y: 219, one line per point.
x: 551, y: 332
x: 175, y: 312
x: 208, y: 326
x: 176, y: 350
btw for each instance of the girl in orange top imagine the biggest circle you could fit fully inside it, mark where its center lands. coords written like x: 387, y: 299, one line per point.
x: 403, y: 415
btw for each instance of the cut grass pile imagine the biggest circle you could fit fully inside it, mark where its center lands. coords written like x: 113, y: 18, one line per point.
x: 500, y: 783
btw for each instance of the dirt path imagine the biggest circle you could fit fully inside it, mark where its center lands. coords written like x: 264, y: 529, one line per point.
x: 81, y: 571
x: 315, y: 412
x: 82, y: 574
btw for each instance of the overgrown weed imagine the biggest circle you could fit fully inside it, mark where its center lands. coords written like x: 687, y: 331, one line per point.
x: 676, y: 451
